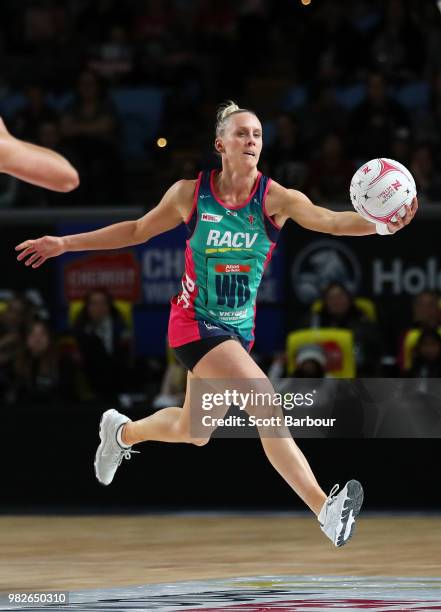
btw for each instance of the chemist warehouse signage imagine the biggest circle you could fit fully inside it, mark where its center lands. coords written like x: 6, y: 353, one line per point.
x: 401, y: 265
x: 118, y: 273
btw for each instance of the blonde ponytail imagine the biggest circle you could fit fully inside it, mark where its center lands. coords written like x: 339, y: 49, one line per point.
x: 224, y: 111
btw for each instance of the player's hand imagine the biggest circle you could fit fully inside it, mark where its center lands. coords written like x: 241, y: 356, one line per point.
x: 394, y: 226
x: 35, y: 252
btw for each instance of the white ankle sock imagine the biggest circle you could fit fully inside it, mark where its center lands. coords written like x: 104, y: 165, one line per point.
x: 119, y: 439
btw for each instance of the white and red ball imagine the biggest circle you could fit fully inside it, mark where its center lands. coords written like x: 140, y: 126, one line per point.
x: 381, y: 189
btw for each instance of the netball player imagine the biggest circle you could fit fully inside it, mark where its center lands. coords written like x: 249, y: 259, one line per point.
x: 233, y: 218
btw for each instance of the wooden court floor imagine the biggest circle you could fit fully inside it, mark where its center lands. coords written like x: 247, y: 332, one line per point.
x: 72, y: 553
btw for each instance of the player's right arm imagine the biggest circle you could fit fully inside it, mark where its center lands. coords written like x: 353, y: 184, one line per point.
x: 173, y: 208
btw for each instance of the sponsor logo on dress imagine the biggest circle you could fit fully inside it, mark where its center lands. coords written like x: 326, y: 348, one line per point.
x: 231, y: 239
x: 210, y: 325
x: 211, y: 218
x: 188, y: 287
x: 232, y: 268
x: 233, y: 213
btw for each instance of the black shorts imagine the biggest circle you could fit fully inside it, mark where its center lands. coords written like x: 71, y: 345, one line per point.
x: 189, y: 354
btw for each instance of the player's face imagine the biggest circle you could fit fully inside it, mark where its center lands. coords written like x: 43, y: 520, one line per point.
x: 241, y: 142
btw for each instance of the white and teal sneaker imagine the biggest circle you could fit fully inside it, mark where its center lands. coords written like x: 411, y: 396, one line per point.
x: 337, y: 517
x: 110, y: 454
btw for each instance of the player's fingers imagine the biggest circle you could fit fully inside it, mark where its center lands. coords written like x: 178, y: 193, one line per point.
x: 411, y: 210
x: 32, y: 259
x: 402, y: 221
x: 26, y: 252
x: 23, y: 245
x: 38, y: 263
x: 414, y: 205
x: 392, y: 227
x: 397, y: 224
x: 408, y: 216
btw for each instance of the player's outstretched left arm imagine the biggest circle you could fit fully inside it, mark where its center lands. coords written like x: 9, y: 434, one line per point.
x: 295, y: 205
x: 34, y: 164
x: 168, y: 214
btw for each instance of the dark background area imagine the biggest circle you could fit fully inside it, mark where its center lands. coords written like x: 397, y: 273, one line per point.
x: 48, y: 459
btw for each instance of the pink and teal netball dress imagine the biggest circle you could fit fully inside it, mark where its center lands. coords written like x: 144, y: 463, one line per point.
x: 227, y: 250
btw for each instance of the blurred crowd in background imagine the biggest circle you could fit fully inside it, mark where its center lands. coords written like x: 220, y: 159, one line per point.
x: 94, y: 359
x: 334, y: 83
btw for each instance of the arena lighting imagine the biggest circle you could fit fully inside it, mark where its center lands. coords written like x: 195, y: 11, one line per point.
x: 305, y: 2
x: 161, y: 142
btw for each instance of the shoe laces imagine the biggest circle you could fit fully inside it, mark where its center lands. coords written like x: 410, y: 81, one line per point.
x: 125, y: 453
x: 333, y: 491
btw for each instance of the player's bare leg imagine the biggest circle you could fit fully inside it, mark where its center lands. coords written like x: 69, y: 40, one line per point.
x: 229, y: 360
x: 165, y: 425
x: 337, y: 512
